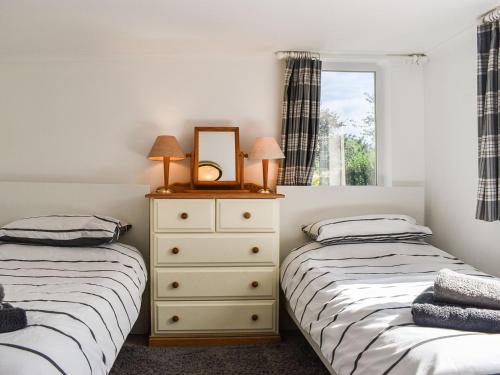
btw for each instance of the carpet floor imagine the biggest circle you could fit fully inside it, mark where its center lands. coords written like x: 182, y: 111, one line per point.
x: 291, y: 356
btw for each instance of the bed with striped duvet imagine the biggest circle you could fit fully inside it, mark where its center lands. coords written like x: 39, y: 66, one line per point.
x: 353, y: 302
x: 80, y: 303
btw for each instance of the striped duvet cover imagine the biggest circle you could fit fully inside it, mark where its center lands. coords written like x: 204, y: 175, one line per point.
x: 354, y: 301
x: 81, y: 304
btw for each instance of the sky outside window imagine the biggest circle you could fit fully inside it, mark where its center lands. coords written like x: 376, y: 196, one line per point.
x: 346, y: 153
x: 347, y: 94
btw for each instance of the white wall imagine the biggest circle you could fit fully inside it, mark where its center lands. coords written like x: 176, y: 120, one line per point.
x: 94, y: 120
x: 407, y: 124
x: 451, y: 155
x: 91, y: 119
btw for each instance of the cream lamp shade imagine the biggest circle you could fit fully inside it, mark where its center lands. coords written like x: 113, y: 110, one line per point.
x: 265, y: 148
x: 166, y: 146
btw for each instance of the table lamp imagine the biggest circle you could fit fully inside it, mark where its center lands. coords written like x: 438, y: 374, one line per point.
x: 265, y: 149
x: 165, y: 148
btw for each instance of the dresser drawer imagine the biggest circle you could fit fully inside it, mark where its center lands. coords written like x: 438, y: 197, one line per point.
x: 247, y: 215
x: 215, y: 248
x: 203, y: 316
x: 220, y: 282
x: 184, y: 215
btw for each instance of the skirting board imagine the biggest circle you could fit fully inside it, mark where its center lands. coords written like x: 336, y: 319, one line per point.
x: 212, y: 340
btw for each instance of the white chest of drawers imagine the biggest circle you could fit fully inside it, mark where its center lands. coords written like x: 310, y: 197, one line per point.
x: 214, y: 270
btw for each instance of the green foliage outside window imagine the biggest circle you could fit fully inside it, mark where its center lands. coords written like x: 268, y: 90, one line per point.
x: 359, y: 161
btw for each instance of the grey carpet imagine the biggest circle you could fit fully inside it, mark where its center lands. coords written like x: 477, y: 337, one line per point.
x: 291, y: 356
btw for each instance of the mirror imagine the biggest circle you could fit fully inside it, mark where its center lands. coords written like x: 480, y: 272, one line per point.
x: 216, y: 156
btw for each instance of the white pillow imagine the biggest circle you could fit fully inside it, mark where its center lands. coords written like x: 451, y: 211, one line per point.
x: 366, y: 228
x: 64, y: 230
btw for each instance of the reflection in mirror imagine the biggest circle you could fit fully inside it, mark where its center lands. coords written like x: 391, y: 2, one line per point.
x: 209, y: 171
x: 216, y: 156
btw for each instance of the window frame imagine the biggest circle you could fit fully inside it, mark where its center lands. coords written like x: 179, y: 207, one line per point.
x: 381, y: 143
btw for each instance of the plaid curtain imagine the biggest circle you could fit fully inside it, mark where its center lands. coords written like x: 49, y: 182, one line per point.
x: 488, y: 200
x: 299, y: 132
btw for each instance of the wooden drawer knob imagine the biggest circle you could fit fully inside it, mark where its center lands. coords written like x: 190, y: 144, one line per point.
x: 175, y: 318
x: 175, y: 285
x: 184, y: 216
x: 247, y: 215
x: 255, y: 284
x: 255, y: 317
x: 255, y: 250
x: 175, y: 250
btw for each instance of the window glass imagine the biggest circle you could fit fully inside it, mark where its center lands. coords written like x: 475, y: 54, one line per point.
x: 346, y: 153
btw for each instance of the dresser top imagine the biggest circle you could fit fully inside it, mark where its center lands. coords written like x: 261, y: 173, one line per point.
x: 207, y: 194
x: 184, y: 191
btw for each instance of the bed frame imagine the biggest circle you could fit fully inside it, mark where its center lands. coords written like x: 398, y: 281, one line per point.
x: 306, y: 204
x: 125, y: 202
x: 310, y: 340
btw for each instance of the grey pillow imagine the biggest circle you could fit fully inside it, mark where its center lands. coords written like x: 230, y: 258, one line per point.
x: 64, y: 230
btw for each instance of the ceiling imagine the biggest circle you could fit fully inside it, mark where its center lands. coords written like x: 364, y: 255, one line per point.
x: 114, y: 27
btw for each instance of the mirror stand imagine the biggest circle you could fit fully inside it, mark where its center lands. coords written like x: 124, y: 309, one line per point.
x: 242, y: 157
x: 217, y: 165
x: 216, y: 158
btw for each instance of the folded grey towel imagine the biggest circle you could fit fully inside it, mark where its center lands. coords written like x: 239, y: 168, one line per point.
x: 450, y: 286
x: 430, y: 313
x: 11, y: 318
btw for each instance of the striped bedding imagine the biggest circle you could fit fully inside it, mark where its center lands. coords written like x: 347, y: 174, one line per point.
x: 81, y: 304
x: 354, y: 302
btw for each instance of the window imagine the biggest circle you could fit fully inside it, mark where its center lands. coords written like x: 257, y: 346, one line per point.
x: 347, y: 140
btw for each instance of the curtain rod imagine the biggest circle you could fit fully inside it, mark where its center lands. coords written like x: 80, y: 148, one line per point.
x: 416, y: 58
x: 490, y: 16
x: 281, y: 55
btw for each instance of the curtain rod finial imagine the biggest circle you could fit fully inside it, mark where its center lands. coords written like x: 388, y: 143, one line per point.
x: 417, y: 59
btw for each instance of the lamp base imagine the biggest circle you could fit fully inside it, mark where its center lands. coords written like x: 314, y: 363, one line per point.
x: 265, y: 191
x: 164, y: 190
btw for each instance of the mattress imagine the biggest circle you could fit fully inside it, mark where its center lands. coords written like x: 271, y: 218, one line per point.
x: 81, y: 304
x: 353, y: 302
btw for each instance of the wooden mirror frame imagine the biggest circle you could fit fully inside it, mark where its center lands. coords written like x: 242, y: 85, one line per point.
x: 237, y: 156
